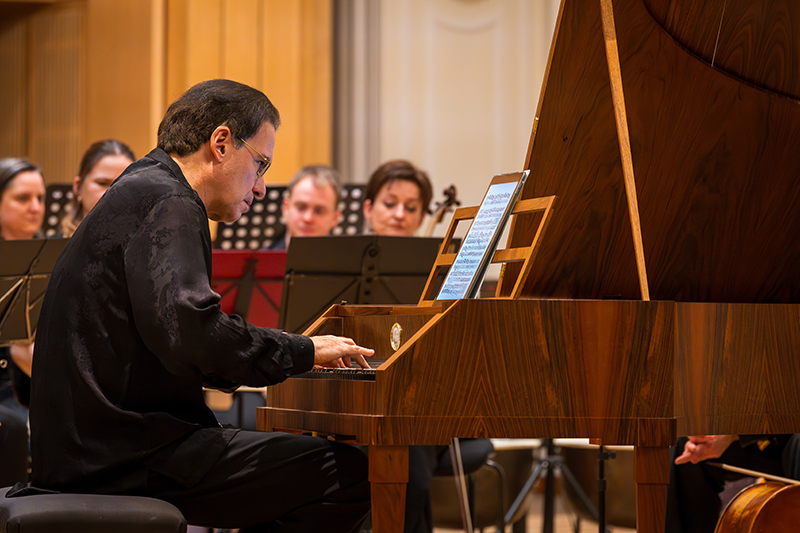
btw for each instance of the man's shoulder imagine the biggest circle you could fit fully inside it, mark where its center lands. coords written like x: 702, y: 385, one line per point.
x: 155, y: 176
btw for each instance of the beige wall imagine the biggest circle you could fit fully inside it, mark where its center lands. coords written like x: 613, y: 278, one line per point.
x: 460, y: 83
x: 78, y: 71
x: 451, y: 85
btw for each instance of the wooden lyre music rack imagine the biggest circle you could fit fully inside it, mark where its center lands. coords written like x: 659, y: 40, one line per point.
x: 524, y: 254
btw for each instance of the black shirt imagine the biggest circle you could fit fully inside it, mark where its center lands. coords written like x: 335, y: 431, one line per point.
x: 130, y: 332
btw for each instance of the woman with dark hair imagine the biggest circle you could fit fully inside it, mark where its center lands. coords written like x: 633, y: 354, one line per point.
x: 101, y: 164
x: 21, y: 216
x: 21, y: 199
x: 396, y: 199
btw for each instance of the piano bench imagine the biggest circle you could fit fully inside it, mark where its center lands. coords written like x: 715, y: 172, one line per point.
x: 87, y: 513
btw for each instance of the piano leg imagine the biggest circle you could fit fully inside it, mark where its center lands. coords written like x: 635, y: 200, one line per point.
x: 388, y: 477
x: 652, y: 479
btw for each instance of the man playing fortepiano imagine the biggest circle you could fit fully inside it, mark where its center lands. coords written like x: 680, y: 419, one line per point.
x: 130, y: 332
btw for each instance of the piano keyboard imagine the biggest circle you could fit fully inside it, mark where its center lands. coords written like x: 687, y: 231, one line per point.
x: 353, y: 373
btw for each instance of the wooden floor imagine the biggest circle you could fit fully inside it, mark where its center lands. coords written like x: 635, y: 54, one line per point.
x: 564, y: 523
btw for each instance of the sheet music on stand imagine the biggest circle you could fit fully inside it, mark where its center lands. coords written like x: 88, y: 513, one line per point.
x: 472, y: 261
x: 24, y: 274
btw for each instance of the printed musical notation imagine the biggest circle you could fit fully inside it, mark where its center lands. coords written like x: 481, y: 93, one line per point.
x: 469, y: 267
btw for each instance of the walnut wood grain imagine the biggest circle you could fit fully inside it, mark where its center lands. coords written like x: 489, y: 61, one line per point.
x: 716, y: 151
x: 715, y: 158
x: 742, y: 375
x: 583, y: 368
x: 621, y: 120
x: 596, y: 347
x: 758, y: 42
x: 619, y: 372
x: 388, y: 474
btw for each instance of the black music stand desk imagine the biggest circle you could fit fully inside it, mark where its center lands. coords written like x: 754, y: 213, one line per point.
x: 24, y: 274
x: 362, y: 269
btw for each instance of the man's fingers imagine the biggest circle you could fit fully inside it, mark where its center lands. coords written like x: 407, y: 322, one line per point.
x: 365, y: 352
x: 330, y: 350
x: 361, y: 361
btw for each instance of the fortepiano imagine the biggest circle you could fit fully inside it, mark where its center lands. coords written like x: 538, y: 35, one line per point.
x: 664, y: 297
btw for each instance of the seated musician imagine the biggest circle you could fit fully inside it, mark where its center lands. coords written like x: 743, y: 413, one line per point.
x: 101, y: 164
x: 396, y: 201
x: 310, y: 208
x: 22, y: 193
x: 130, y: 332
x: 693, y: 501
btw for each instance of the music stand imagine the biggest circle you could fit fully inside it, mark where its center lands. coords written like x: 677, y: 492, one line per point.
x: 250, y: 283
x: 362, y: 269
x: 24, y: 274
x: 57, y: 198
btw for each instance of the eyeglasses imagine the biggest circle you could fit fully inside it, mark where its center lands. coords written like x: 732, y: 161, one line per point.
x: 264, y: 164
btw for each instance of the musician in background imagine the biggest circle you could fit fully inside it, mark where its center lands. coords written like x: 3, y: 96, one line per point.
x: 310, y: 207
x: 22, y: 193
x: 397, y: 198
x: 130, y: 332
x: 693, y: 501
x: 100, y: 165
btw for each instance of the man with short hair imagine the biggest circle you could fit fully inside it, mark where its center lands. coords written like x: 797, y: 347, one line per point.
x: 130, y: 332
x: 310, y: 208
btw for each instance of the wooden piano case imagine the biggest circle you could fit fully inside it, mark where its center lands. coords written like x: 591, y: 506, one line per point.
x: 664, y: 297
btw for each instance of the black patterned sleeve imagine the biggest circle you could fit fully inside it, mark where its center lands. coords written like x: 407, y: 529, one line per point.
x: 178, y: 316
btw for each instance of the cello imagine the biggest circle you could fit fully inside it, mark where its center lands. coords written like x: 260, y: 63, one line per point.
x: 771, y: 506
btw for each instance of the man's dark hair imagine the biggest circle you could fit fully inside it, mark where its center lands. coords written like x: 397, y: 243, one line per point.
x: 191, y: 119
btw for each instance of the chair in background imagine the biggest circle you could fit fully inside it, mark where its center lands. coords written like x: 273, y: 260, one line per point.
x: 490, y: 487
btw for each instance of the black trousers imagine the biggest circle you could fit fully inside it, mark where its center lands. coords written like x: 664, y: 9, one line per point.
x: 693, y: 504
x: 422, y: 464
x: 276, y: 482
x: 13, y: 447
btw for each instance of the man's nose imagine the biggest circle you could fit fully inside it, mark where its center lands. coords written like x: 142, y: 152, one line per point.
x: 260, y: 188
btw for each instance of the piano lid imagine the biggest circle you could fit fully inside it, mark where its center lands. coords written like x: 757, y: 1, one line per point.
x: 716, y: 153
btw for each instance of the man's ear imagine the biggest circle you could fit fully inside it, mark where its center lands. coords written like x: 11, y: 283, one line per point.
x: 221, y: 143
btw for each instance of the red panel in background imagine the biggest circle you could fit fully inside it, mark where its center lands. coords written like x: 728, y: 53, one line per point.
x: 241, y: 274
